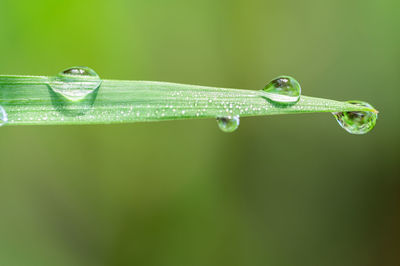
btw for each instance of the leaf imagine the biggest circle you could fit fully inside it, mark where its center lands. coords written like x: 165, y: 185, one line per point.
x: 29, y: 100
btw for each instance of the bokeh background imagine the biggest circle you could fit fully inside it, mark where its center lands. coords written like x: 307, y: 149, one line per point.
x: 282, y: 190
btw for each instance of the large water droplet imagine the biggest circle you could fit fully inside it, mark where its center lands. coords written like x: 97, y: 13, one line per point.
x: 283, y: 89
x: 228, y: 124
x: 75, y: 89
x: 3, y: 116
x: 76, y: 83
x: 357, y: 122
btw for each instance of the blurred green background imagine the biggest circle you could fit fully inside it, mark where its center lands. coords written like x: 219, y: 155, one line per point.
x: 282, y: 190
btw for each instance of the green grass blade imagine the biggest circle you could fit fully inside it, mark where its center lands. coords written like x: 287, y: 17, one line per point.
x: 28, y: 101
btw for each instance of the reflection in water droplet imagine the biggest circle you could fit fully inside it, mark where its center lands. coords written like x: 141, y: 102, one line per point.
x: 228, y: 124
x: 357, y: 122
x: 75, y: 89
x: 283, y: 89
x: 3, y: 116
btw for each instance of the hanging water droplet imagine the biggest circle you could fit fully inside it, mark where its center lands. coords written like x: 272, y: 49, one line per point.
x: 357, y: 122
x: 75, y: 89
x: 228, y: 124
x: 283, y: 89
x: 3, y: 116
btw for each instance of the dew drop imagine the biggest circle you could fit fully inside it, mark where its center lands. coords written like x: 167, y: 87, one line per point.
x: 3, y: 116
x: 76, y: 83
x: 228, y: 124
x: 74, y: 90
x: 283, y: 89
x: 357, y: 122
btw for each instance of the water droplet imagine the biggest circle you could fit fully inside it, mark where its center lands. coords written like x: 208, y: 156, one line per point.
x: 228, y: 124
x: 74, y: 90
x: 283, y: 89
x: 3, y: 116
x: 357, y: 122
x: 76, y: 83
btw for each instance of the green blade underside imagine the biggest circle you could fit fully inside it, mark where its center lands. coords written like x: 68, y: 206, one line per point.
x: 28, y: 101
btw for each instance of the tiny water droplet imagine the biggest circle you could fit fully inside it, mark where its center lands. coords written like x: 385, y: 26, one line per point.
x: 283, y: 89
x: 3, y: 116
x: 357, y: 122
x: 75, y: 89
x: 228, y: 124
